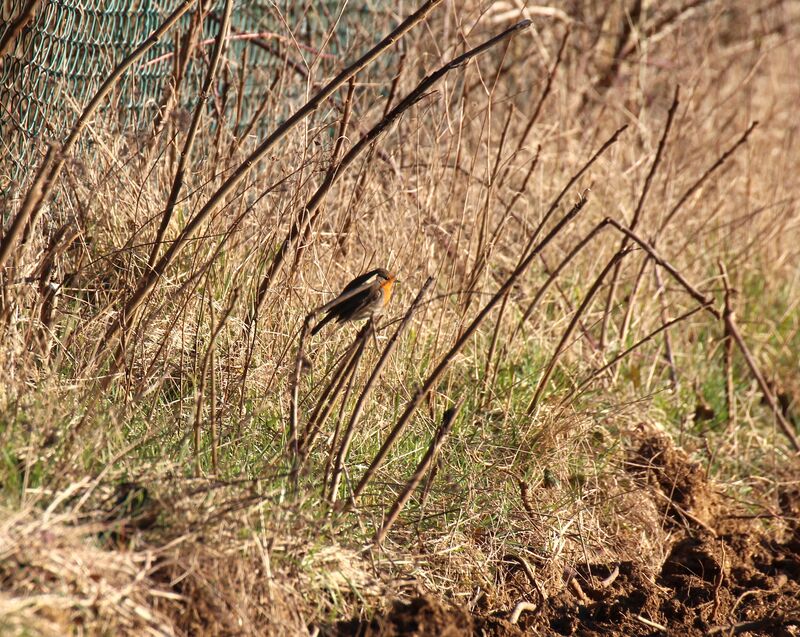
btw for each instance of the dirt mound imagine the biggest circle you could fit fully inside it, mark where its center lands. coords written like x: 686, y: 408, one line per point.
x: 723, y: 574
x: 422, y: 617
x: 708, y: 585
x: 679, y: 485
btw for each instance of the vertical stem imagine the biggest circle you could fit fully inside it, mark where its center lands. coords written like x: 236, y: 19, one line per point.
x: 433, y: 450
x: 730, y: 397
x: 530, y: 253
x: 673, y: 372
x: 353, y: 358
x: 186, y: 153
x: 347, y: 438
x: 568, y: 332
x: 612, y: 290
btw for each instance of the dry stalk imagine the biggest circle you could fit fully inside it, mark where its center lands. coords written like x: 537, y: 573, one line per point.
x: 523, y: 187
x: 766, y: 625
x: 568, y: 332
x: 538, y: 108
x: 347, y: 437
x: 309, y: 213
x: 15, y: 28
x: 703, y: 300
x: 360, y: 187
x: 186, y: 152
x: 444, y: 363
x: 696, y: 186
x: 208, y: 358
x: 323, y: 407
x: 51, y: 167
x: 668, y: 355
x: 730, y: 324
x: 212, y: 411
x: 240, y: 89
x: 487, y: 368
x: 783, y: 423
x: 149, y: 279
x: 337, y: 428
x: 346, y: 371
x: 483, y: 248
x: 651, y: 624
x: 433, y: 450
x: 671, y: 215
x: 524, y: 606
x: 17, y: 225
x: 553, y: 276
x: 730, y: 396
x: 637, y: 213
x: 184, y: 50
x: 299, y: 362
x: 334, y: 166
x: 664, y: 327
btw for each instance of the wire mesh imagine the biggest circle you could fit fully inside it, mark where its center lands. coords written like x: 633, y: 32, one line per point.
x: 61, y: 57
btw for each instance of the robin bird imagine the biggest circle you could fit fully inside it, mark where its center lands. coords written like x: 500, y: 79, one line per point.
x: 364, y: 297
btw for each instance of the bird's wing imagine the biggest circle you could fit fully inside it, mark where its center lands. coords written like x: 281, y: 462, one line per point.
x: 353, y: 306
x: 364, y: 279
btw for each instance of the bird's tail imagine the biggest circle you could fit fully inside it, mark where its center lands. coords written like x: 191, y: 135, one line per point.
x: 322, y: 324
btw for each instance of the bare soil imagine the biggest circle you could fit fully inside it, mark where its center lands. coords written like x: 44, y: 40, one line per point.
x: 724, y: 574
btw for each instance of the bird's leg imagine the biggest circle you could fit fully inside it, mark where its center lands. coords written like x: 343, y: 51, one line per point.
x: 372, y: 330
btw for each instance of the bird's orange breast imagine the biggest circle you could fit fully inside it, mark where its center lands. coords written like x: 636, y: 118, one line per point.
x: 386, y: 286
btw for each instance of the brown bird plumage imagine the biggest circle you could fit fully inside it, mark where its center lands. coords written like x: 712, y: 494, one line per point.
x: 364, y: 297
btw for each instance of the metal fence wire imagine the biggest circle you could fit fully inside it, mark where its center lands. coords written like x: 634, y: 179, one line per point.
x: 61, y: 57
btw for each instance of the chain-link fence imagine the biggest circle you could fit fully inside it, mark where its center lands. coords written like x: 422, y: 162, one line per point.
x: 58, y: 61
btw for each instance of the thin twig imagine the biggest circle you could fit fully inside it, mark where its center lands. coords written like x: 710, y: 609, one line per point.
x: 568, y: 332
x: 783, y: 423
x: 730, y: 396
x: 668, y: 355
x: 664, y: 326
x: 696, y: 185
x: 703, y: 300
x: 671, y: 215
x: 184, y: 51
x: 538, y: 108
x: 149, y: 279
x: 436, y: 444
x: 637, y: 213
x: 730, y: 324
x: 207, y: 358
x: 186, y: 152
x: 344, y: 446
x: 332, y: 169
x: 553, y: 276
x: 309, y: 213
x: 321, y: 415
x: 444, y: 363
x: 297, y: 370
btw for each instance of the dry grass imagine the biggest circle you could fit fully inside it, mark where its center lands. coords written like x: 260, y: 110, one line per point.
x: 180, y: 398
